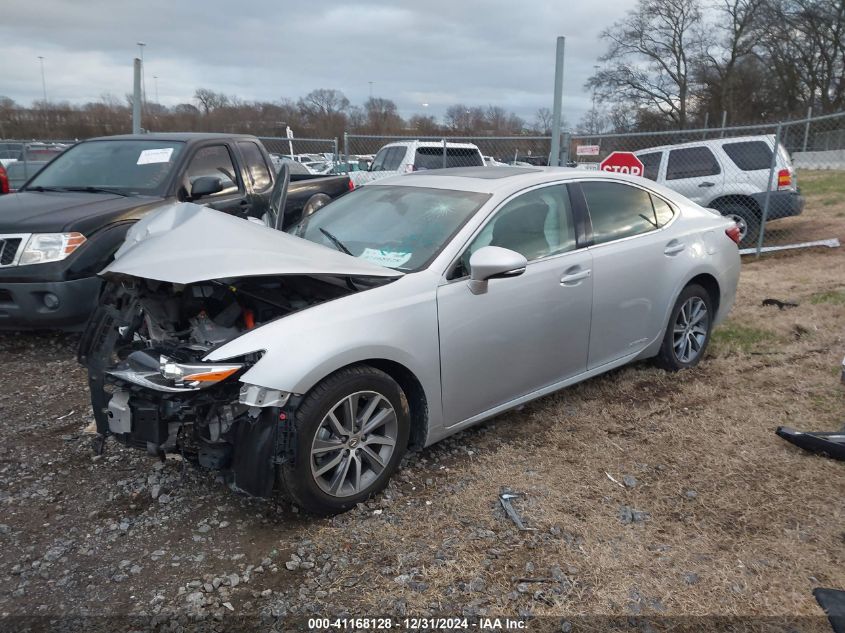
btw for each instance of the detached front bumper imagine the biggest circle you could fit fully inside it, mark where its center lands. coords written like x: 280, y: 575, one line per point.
x: 47, y: 304
x: 782, y: 204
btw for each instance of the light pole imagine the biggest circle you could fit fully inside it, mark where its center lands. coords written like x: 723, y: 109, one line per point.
x: 371, y: 89
x: 155, y: 83
x: 141, y: 46
x: 43, y: 80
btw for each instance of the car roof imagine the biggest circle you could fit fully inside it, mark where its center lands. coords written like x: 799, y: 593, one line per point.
x: 185, y: 137
x: 710, y: 142
x: 496, y: 179
x: 418, y: 143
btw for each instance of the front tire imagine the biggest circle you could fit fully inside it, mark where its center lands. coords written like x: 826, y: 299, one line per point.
x: 351, y: 431
x: 688, y: 331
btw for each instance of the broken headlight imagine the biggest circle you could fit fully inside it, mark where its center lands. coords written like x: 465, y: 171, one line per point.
x: 165, y: 374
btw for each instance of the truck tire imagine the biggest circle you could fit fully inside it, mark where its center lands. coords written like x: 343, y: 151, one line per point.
x: 746, y: 218
x: 351, y: 431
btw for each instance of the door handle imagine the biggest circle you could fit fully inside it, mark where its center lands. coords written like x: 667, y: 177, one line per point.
x: 574, y: 277
x: 706, y: 184
x: 673, y: 248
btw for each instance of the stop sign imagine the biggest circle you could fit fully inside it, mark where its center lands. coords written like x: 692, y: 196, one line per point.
x: 622, y: 163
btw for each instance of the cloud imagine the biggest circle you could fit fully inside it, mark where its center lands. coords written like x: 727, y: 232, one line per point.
x: 438, y: 52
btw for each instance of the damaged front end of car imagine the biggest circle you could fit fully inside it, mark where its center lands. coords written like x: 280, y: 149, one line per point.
x: 146, y: 345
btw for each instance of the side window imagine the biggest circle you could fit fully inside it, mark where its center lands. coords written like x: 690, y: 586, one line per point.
x: 749, y: 155
x: 536, y: 224
x: 691, y: 162
x: 662, y: 211
x: 259, y: 172
x: 378, y: 161
x: 618, y: 210
x: 394, y: 158
x: 651, y: 164
x: 211, y: 161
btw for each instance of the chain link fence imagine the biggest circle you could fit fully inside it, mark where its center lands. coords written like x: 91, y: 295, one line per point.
x: 732, y: 169
x: 753, y: 174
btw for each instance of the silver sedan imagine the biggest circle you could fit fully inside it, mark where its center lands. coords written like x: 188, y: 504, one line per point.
x: 399, y: 314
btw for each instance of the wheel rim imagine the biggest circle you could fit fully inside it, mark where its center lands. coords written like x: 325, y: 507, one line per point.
x: 354, y: 443
x: 690, y: 329
x: 741, y: 223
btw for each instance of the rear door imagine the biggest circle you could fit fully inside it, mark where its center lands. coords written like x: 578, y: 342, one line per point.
x: 637, y: 264
x: 694, y: 172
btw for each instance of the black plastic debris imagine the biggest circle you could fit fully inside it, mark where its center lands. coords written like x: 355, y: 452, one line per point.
x: 780, y: 304
x: 823, y: 443
x: 832, y: 601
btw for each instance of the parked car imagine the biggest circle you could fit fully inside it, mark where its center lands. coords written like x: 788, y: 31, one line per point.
x: 20, y: 171
x: 66, y: 222
x: 406, y: 156
x: 399, y: 314
x: 730, y: 175
x: 345, y: 167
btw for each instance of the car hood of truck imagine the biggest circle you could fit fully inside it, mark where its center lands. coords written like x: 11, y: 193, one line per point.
x: 186, y: 243
x: 55, y: 212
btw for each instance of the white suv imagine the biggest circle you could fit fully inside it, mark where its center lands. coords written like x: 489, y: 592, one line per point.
x: 406, y: 156
x: 729, y: 175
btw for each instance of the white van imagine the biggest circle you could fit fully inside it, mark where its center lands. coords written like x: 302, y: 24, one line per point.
x: 729, y: 175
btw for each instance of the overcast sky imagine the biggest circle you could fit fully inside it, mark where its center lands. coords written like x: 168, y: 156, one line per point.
x: 439, y: 52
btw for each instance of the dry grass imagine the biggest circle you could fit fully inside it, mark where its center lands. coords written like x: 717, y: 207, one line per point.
x: 759, y: 522
x: 823, y: 216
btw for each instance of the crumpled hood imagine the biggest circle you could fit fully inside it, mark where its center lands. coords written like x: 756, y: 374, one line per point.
x: 185, y: 243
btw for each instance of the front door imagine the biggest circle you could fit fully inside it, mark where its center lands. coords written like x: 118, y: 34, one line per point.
x: 524, y: 333
x: 216, y: 161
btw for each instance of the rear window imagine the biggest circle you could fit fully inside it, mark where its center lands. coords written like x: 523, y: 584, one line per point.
x: 432, y: 157
x: 749, y: 155
x: 651, y: 164
x: 691, y: 162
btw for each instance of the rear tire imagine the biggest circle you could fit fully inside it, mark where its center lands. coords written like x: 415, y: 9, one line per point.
x: 344, y: 458
x: 688, y: 330
x: 746, y: 218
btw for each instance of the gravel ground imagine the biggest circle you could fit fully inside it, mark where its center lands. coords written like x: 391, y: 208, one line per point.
x: 646, y: 494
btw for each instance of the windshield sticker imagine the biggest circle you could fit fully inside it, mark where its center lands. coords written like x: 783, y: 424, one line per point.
x: 161, y: 155
x: 391, y: 259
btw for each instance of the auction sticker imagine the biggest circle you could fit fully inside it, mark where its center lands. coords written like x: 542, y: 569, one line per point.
x: 161, y: 155
x: 391, y: 259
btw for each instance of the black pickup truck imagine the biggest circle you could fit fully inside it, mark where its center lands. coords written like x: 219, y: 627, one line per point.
x: 64, y: 225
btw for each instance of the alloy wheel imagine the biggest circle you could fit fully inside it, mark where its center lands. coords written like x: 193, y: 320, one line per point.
x: 690, y: 329
x: 354, y: 443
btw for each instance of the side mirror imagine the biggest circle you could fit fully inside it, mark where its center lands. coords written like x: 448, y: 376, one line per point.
x: 205, y: 186
x: 493, y: 262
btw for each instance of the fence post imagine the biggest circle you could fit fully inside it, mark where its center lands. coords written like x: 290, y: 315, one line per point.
x: 444, y: 153
x: 345, y: 147
x: 724, y: 120
x: 706, y: 123
x: 807, y: 127
x: 766, y: 200
x: 334, y: 155
x: 565, y: 142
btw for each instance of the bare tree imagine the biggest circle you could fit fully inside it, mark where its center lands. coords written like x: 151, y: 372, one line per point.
x: 651, y: 56
x: 324, y: 101
x: 543, y: 121
x: 382, y: 116
x: 209, y: 100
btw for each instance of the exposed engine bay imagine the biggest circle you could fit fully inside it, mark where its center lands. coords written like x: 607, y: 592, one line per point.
x: 143, y: 349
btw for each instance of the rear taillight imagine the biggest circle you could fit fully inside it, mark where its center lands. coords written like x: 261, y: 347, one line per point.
x: 734, y: 233
x: 784, y: 179
x: 350, y: 185
x: 4, y: 180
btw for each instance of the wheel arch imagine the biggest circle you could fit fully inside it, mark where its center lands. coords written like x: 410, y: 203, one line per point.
x: 711, y: 285
x: 410, y: 386
x: 743, y: 200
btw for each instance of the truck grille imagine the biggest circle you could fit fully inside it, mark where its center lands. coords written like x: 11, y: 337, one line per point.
x: 10, y: 245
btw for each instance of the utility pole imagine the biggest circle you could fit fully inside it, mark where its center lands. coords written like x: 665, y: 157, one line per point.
x: 141, y: 46
x: 155, y: 84
x: 371, y: 89
x: 136, y: 97
x: 554, y: 158
x: 43, y: 80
